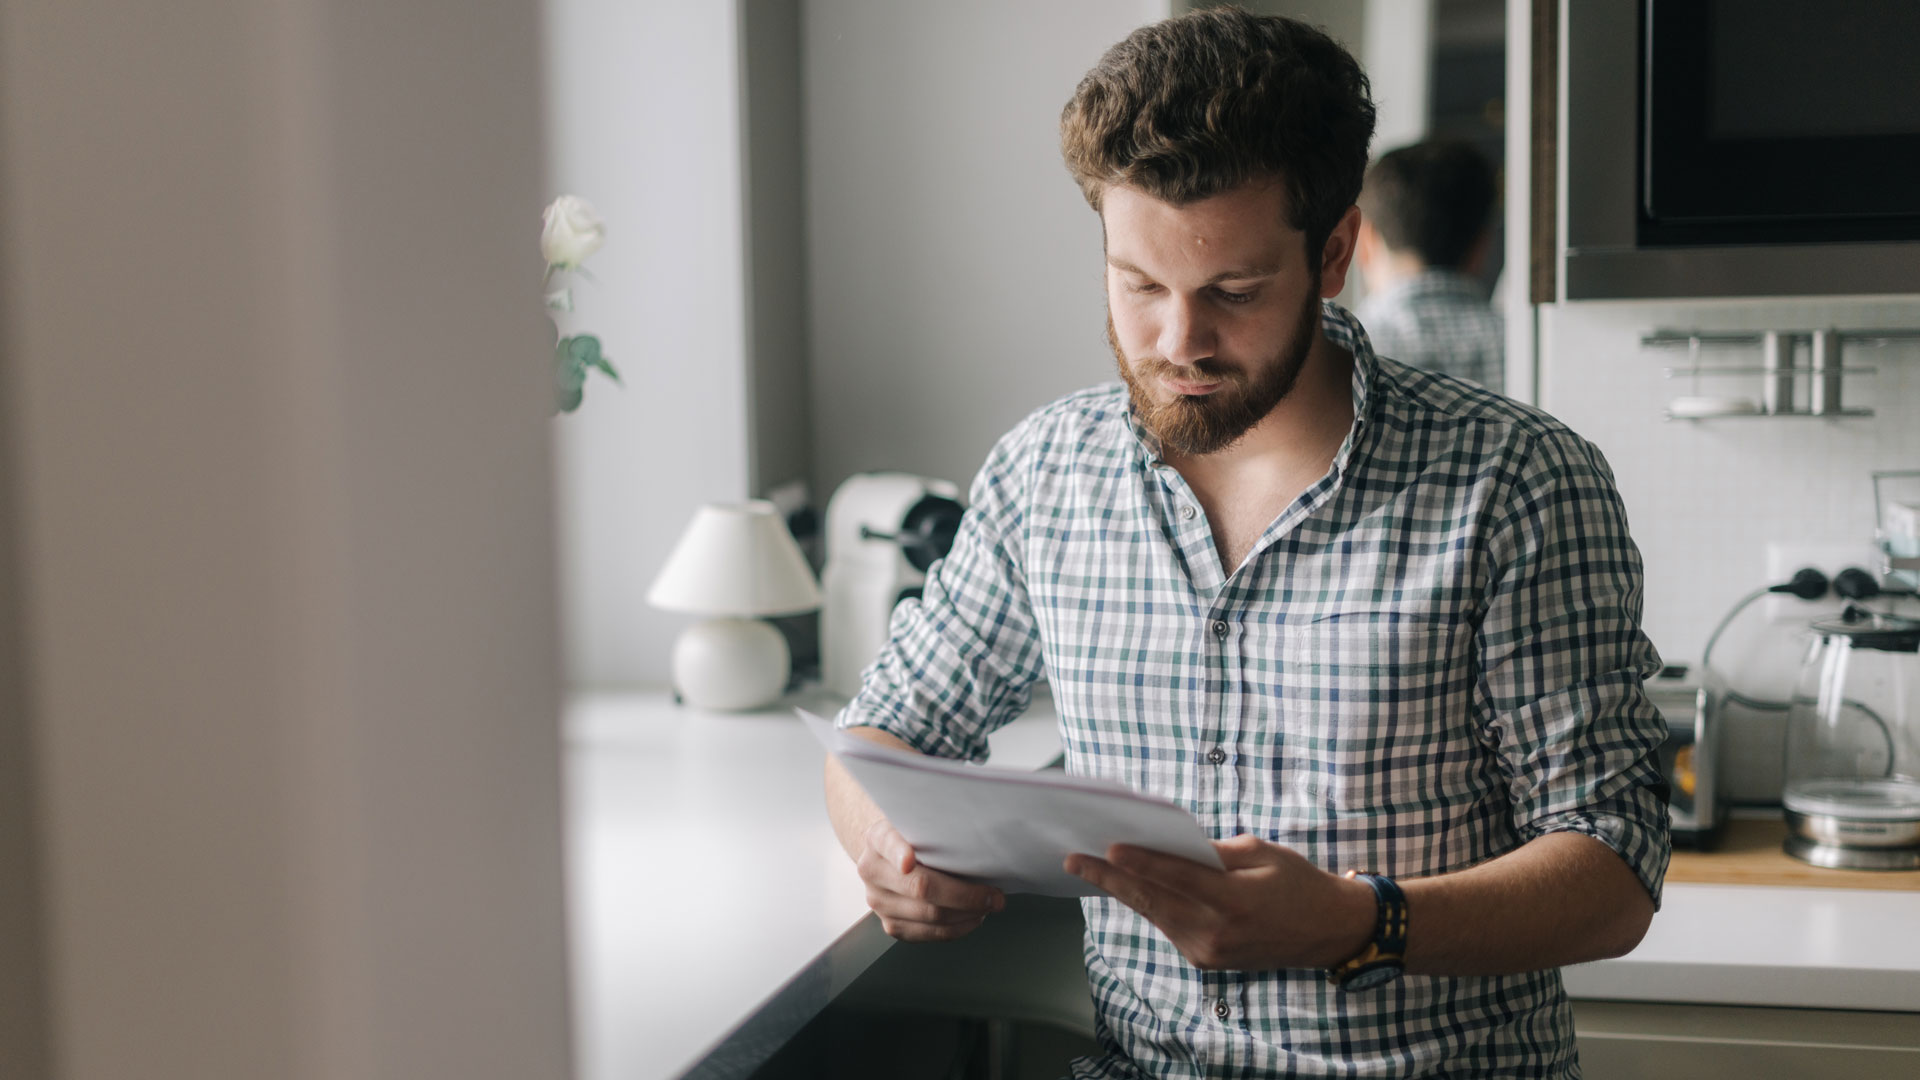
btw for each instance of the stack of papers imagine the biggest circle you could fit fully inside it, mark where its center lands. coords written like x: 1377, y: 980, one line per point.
x: 1008, y: 828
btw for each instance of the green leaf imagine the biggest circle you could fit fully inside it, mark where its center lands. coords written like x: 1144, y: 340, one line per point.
x: 584, y: 349
x: 569, y: 374
x: 572, y: 357
x: 606, y: 366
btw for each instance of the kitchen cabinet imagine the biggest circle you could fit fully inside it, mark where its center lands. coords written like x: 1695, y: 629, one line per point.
x: 1630, y: 1040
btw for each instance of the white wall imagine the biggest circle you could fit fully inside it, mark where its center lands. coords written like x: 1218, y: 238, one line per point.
x: 955, y: 268
x: 1397, y: 49
x: 643, y: 117
x: 279, y: 469
x: 1705, y: 498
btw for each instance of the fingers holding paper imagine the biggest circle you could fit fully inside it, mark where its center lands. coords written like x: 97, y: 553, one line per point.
x: 1270, y: 908
x: 916, y: 902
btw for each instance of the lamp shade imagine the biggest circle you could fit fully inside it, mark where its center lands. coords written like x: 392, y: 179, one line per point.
x: 736, y: 559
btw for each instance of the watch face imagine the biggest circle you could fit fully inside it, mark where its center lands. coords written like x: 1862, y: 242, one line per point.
x: 1374, y: 974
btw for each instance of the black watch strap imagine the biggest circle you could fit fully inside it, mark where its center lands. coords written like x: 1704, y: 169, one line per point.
x: 1390, y: 930
x: 1384, y: 958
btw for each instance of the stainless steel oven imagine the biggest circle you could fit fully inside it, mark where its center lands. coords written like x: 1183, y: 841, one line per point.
x: 1739, y: 148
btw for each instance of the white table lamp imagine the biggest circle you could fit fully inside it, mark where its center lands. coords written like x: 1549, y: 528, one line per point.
x: 736, y: 562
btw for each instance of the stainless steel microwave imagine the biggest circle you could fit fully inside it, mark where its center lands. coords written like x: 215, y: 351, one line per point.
x: 1739, y: 148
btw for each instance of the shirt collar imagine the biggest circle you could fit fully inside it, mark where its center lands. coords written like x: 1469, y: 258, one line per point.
x: 1345, y: 331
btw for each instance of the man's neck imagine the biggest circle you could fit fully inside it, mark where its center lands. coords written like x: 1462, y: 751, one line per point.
x: 1247, y: 486
x: 1390, y: 270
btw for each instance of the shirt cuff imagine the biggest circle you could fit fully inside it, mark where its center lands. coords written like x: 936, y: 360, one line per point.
x: 917, y: 732
x: 1633, y: 825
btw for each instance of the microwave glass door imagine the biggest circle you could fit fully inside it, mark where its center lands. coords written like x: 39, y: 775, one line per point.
x: 1779, y: 121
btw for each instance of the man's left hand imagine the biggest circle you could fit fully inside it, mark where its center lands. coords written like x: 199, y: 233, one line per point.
x: 1270, y: 908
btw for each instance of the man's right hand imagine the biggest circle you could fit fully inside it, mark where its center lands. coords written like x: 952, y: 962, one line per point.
x: 915, y: 902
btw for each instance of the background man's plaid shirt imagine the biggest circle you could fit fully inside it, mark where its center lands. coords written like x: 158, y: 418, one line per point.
x: 1439, y: 321
x: 1431, y: 657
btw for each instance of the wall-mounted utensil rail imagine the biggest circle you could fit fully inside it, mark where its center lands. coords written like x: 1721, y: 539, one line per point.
x: 1825, y: 370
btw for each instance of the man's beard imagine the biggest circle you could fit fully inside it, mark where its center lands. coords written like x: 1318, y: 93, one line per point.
x: 1188, y: 426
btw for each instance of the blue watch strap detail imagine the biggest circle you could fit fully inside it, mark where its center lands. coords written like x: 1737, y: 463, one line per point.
x: 1384, y: 958
x: 1390, y: 922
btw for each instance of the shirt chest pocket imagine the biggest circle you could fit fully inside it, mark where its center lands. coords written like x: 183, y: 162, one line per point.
x: 1378, y: 715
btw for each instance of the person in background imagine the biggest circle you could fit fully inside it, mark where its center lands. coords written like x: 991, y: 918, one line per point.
x: 1426, y: 228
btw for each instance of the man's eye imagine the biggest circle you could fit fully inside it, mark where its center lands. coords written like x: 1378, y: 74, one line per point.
x: 1232, y: 297
x: 1143, y: 287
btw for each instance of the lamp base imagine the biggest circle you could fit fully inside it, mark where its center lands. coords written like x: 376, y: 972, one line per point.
x: 731, y: 664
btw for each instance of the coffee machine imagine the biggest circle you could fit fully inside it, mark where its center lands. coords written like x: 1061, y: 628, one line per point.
x: 884, y: 530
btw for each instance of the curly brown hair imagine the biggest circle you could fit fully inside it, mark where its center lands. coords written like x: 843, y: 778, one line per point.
x: 1196, y: 105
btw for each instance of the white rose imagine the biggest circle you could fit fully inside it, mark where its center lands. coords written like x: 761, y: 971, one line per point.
x: 573, y: 231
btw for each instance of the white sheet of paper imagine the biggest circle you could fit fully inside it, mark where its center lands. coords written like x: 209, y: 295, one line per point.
x: 1009, y: 828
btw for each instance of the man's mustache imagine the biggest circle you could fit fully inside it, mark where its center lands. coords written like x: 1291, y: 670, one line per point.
x: 1199, y: 370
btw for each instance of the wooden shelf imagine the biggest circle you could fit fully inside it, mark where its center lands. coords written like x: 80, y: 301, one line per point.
x: 1750, y: 854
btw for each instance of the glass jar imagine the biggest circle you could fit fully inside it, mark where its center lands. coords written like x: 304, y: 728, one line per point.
x: 1852, y: 787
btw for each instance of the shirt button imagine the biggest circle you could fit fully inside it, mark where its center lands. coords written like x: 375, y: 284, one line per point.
x: 1186, y: 513
x: 1221, y: 1009
x: 1220, y: 629
x: 1216, y: 755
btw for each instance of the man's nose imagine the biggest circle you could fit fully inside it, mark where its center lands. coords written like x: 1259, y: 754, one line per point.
x: 1187, y: 335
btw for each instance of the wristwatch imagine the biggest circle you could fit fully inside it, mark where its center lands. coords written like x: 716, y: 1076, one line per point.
x: 1384, y: 958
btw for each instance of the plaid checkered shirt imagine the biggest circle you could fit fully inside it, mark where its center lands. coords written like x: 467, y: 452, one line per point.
x: 1430, y: 658
x: 1439, y: 321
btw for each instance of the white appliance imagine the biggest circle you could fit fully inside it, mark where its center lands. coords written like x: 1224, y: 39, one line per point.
x: 884, y: 530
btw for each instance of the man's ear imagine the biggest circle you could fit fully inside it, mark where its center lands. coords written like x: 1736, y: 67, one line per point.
x: 1337, y: 254
x: 1368, y: 249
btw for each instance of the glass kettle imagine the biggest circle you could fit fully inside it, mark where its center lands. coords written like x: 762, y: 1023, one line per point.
x: 1852, y: 781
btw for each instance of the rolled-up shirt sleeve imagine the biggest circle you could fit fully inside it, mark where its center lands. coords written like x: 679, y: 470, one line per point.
x: 1563, y: 661
x: 961, y: 660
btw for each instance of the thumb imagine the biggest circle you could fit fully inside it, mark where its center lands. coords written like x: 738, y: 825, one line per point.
x: 883, y: 838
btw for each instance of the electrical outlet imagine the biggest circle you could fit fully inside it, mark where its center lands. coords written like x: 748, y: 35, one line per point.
x: 1829, y: 559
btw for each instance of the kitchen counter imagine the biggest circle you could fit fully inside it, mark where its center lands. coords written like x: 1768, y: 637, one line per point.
x: 1746, y: 924
x: 713, y: 913
x: 1751, y: 851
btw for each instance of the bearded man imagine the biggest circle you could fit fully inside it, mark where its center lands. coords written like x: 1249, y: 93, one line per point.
x: 1377, y: 628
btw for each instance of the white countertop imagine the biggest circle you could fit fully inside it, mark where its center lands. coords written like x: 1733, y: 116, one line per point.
x: 712, y: 907
x: 704, y: 880
x: 1769, y: 945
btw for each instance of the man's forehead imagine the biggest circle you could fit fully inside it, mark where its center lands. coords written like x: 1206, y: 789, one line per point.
x: 1268, y: 190
x: 1240, y: 224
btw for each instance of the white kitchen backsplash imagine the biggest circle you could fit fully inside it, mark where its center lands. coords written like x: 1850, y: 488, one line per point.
x: 1706, y: 498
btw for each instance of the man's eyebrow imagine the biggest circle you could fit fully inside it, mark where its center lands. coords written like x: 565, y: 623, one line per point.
x: 1225, y: 275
